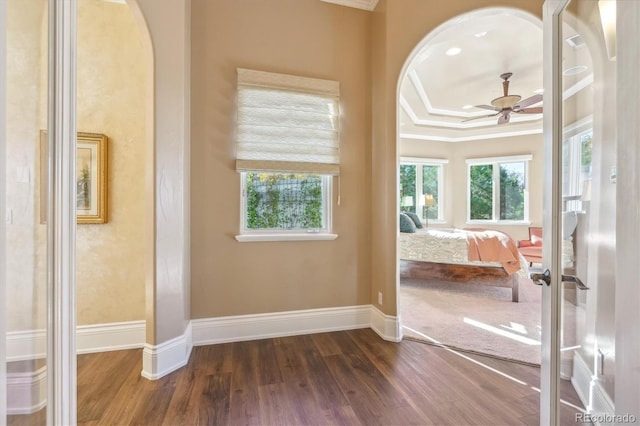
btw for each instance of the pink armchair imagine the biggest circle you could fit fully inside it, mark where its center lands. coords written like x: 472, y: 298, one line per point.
x: 531, y: 249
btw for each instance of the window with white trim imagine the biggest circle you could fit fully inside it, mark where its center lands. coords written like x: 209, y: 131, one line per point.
x: 498, y: 189
x: 576, y: 170
x: 421, y: 187
x: 287, y: 153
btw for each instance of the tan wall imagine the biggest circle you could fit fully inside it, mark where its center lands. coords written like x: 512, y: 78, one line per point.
x: 300, y: 37
x: 404, y: 24
x: 26, y: 287
x: 455, y: 174
x: 111, y: 100
x: 110, y: 275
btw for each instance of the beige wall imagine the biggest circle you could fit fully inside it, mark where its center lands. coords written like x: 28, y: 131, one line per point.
x: 111, y: 100
x: 299, y: 37
x: 455, y: 174
x: 26, y: 287
x: 110, y: 274
x: 403, y: 23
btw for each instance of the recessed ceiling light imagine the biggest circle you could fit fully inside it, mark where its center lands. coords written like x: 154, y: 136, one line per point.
x: 575, y: 41
x: 467, y: 107
x: 453, y: 51
x: 539, y: 91
x: 574, y: 70
x: 480, y: 34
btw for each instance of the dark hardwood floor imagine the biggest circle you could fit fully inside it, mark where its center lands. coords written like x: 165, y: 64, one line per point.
x: 349, y: 377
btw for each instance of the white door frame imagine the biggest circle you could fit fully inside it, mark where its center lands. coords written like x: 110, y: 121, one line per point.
x: 627, y: 297
x: 3, y: 209
x: 551, y: 206
x: 61, y: 214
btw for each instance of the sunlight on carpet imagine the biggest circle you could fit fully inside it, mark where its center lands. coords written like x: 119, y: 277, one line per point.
x: 479, y: 318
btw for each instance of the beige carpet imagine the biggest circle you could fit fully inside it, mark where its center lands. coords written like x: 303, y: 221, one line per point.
x: 473, y: 317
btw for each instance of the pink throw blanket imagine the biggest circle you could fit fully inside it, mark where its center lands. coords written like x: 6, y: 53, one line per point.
x: 494, y: 246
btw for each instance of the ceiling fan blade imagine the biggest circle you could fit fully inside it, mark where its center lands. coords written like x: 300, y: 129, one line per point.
x: 504, y: 119
x: 529, y: 101
x: 534, y: 110
x: 492, y: 108
x: 482, y: 116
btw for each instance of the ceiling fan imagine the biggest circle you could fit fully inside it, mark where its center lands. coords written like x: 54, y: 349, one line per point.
x: 507, y: 104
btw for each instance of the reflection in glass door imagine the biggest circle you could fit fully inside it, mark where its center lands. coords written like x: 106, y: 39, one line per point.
x: 588, y: 85
x: 24, y: 201
x: 578, y: 352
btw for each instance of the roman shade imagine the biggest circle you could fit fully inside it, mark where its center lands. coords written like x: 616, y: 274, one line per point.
x: 287, y: 124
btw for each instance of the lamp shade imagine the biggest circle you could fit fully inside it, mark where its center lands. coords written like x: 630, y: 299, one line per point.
x: 429, y: 200
x: 407, y: 201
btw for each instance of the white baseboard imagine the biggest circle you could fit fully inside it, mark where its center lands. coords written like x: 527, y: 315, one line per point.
x: 26, y: 345
x: 387, y: 326
x: 110, y: 337
x: 26, y: 391
x: 210, y: 331
x: 32, y: 344
x: 160, y: 360
x: 593, y: 396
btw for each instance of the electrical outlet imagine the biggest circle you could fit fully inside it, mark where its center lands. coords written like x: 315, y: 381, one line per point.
x: 379, y: 298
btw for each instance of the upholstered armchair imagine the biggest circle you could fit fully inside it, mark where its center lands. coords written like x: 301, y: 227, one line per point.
x: 531, y: 249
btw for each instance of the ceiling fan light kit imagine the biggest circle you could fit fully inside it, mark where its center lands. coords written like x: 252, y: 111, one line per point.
x: 507, y: 104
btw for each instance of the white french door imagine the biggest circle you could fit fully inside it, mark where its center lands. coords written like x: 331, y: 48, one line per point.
x: 579, y: 202
x: 37, y: 196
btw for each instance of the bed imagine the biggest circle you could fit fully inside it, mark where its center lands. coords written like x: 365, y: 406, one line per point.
x: 478, y: 256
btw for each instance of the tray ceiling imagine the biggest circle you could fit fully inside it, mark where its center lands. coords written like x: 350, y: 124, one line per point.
x: 459, y: 67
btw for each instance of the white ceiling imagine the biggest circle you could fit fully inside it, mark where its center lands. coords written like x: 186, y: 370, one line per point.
x: 437, y: 87
x: 438, y: 92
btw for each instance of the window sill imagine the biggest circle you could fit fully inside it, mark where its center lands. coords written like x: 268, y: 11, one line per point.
x: 246, y: 238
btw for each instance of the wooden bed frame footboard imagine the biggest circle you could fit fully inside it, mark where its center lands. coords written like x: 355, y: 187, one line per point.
x: 484, y: 275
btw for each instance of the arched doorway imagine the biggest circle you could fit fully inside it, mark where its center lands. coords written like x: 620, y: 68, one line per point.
x: 452, y: 70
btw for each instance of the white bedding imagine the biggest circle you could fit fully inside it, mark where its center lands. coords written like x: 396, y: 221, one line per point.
x: 444, y: 246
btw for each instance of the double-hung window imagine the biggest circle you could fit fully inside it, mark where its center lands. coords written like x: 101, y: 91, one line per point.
x: 287, y: 153
x: 497, y: 189
x: 421, y: 187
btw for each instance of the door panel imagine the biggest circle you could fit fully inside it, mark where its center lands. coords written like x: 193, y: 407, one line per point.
x: 579, y: 145
x: 589, y: 207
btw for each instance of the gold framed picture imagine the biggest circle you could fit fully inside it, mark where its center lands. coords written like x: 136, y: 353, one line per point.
x: 91, y: 178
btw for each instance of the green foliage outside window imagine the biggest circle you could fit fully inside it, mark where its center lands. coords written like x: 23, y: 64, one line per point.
x: 407, y: 187
x: 284, y: 201
x: 585, y: 149
x: 511, y: 191
x: 481, y: 187
x: 430, y: 186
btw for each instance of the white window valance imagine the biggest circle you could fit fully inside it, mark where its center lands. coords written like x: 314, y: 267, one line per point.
x: 287, y: 123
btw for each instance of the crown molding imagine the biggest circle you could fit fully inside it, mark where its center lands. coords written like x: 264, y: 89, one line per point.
x: 358, y: 4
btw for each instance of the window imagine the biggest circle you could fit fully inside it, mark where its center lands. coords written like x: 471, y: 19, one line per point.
x: 421, y: 180
x: 287, y: 152
x: 576, y: 170
x: 498, y: 189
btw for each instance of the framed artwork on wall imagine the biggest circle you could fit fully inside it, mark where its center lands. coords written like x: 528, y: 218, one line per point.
x: 91, y: 178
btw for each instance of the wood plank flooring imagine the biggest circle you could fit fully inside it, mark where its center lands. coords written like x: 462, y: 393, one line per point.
x: 348, y: 377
